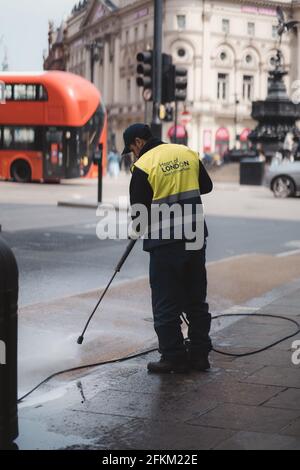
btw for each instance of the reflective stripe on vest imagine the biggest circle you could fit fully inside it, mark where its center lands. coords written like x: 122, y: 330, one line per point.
x: 173, y: 173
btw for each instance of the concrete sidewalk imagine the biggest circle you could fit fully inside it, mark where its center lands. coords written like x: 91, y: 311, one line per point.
x: 243, y: 403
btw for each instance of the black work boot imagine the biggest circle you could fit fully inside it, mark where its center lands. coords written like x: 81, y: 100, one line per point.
x: 199, y: 362
x: 167, y: 366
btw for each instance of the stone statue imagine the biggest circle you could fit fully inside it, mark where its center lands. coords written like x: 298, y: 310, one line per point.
x: 283, y: 25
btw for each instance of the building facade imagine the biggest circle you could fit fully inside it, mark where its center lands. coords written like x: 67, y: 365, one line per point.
x: 57, y: 53
x: 227, y: 46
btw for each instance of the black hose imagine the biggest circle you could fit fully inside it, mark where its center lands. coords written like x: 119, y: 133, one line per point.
x: 148, y: 351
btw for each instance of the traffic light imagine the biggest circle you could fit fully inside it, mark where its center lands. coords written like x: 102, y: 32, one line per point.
x: 169, y: 114
x: 174, y: 81
x: 145, y: 73
x: 181, y: 83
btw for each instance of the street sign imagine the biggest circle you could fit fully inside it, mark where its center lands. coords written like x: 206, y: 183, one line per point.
x: 185, y: 118
x: 147, y: 94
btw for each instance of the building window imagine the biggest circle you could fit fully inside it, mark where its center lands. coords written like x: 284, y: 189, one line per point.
x: 251, y: 29
x: 274, y: 31
x: 225, y: 26
x: 223, y: 56
x: 128, y: 86
x: 249, y: 59
x: 248, y: 85
x: 145, y: 30
x: 181, y: 52
x: 181, y: 21
x: 136, y: 34
x: 223, y: 82
x: 127, y: 37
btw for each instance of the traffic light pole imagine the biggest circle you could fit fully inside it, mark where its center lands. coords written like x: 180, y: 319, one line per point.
x: 176, y: 121
x: 156, y: 125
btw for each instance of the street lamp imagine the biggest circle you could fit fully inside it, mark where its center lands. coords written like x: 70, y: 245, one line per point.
x: 95, y: 47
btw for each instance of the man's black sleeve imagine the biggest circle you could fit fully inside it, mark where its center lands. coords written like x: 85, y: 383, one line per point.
x: 140, y: 189
x: 206, y: 184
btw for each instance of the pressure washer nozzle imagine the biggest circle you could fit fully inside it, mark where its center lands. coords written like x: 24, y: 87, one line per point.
x: 80, y: 340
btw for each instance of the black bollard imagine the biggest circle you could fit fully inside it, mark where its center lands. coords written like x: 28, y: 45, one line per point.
x: 9, y: 280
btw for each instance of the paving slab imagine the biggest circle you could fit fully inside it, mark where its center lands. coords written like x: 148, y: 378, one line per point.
x: 288, y: 399
x: 166, y: 435
x: 280, y: 376
x: 293, y: 429
x: 246, y: 418
x: 259, y: 441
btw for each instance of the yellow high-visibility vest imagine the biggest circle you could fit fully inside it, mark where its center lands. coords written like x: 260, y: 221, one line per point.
x: 173, y: 173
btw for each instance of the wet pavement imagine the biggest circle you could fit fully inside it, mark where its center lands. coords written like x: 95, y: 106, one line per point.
x: 123, y: 325
x: 242, y: 403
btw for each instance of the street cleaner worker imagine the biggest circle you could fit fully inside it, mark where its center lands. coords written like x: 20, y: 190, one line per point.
x: 167, y: 183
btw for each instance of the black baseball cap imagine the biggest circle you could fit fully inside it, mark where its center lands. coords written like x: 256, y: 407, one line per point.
x: 132, y: 132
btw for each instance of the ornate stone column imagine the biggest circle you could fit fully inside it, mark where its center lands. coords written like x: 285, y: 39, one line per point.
x: 116, y: 68
x: 106, y: 75
x: 206, y: 16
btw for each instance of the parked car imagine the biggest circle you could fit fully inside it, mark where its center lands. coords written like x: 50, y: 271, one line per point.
x: 236, y: 155
x: 283, y: 178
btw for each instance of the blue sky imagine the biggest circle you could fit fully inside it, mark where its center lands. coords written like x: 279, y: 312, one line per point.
x: 24, y: 25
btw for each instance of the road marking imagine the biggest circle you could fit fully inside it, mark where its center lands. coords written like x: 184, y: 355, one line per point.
x: 288, y: 253
x: 231, y: 258
x: 293, y: 244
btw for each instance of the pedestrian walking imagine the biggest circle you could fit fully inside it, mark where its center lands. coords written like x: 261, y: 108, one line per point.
x: 113, y: 162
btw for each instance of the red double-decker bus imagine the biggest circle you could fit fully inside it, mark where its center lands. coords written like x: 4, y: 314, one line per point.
x: 51, y: 124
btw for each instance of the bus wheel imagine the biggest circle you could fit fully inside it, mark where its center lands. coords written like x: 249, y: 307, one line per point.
x: 21, y: 171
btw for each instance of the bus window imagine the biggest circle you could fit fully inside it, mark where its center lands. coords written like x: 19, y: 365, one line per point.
x: 19, y: 138
x: 31, y: 92
x: 8, y: 92
x: 20, y: 92
x: 54, y: 135
x: 24, y: 138
x: 42, y: 94
x: 7, y: 138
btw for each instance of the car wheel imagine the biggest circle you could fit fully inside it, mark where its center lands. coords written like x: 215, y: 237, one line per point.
x: 21, y: 171
x: 283, y: 187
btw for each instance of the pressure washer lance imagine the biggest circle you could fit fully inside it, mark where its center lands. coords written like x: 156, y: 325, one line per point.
x: 117, y: 270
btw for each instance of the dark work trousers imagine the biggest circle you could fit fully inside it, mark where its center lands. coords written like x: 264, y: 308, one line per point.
x: 179, y: 284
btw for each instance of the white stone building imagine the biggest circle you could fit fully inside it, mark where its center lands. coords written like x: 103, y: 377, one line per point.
x: 226, y: 45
